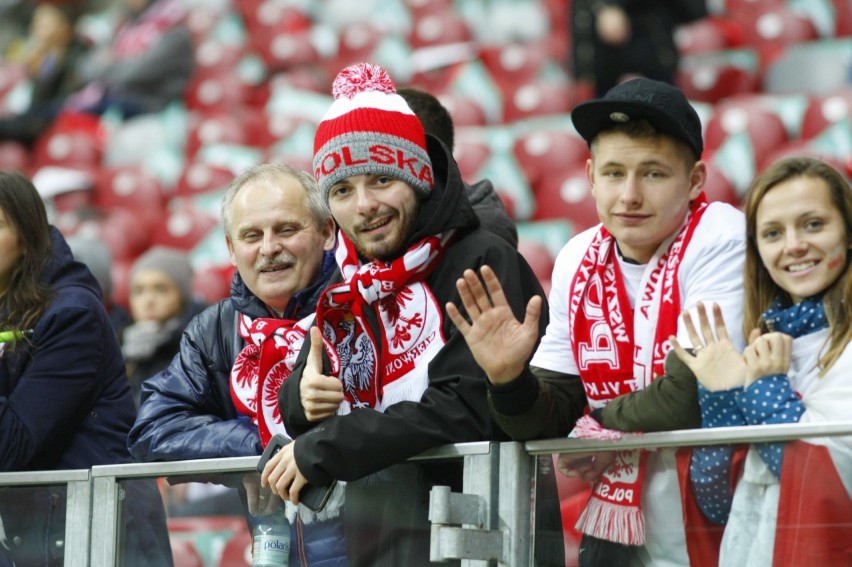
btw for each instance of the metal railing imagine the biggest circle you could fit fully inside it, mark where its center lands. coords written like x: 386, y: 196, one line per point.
x: 489, y: 524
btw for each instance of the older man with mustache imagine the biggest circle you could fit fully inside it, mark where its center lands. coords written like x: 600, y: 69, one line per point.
x: 218, y: 398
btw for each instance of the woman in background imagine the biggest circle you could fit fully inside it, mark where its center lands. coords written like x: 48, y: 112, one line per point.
x: 161, y: 304
x: 791, y: 503
x: 65, y: 401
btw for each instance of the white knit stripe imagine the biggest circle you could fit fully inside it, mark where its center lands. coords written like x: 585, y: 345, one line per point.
x: 369, y: 99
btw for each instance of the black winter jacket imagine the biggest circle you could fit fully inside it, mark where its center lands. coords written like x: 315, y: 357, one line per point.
x: 65, y: 403
x: 386, y: 505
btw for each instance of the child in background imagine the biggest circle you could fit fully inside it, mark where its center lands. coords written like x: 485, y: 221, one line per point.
x: 161, y: 304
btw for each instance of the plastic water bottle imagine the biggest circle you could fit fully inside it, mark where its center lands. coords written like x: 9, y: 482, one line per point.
x: 271, y: 546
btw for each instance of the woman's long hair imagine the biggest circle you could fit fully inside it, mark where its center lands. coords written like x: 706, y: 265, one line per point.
x: 761, y: 291
x: 26, y: 297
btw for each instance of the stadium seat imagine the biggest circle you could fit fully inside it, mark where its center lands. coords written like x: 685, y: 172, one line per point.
x: 764, y: 129
x: 539, y: 98
x: 816, y: 67
x: 14, y: 155
x: 540, y: 260
x: 514, y: 64
x: 707, y: 35
x: 438, y: 27
x: 472, y: 150
x: 212, y: 283
x: 826, y: 110
x: 217, y: 91
x: 201, y: 177
x: 775, y: 26
x: 464, y: 110
x: 717, y: 187
x: 355, y: 42
x: 73, y: 140
x: 183, y: 226
x: 237, y: 552
x: 710, y: 77
x: 567, y: 196
x: 129, y: 187
x: 842, y: 18
x: 238, y: 125
x: 184, y: 553
x: 542, y: 153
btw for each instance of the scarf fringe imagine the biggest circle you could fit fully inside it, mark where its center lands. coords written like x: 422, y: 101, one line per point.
x: 588, y: 427
x: 620, y: 524
x: 331, y: 509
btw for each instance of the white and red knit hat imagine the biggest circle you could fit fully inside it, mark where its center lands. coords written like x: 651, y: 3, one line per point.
x: 369, y: 130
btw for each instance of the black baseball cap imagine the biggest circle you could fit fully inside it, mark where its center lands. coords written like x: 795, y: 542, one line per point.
x: 661, y: 104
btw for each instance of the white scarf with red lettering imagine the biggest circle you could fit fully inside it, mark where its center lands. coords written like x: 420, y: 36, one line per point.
x: 629, y: 347
x: 262, y: 366
x: 380, y: 370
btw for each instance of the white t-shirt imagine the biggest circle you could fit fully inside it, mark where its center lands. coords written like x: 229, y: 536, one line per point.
x: 711, y: 271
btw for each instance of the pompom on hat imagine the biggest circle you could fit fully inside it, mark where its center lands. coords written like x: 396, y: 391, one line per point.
x: 370, y: 130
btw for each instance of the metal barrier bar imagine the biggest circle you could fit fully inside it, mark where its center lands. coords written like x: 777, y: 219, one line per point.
x: 497, y: 481
x: 78, y: 504
x: 694, y: 437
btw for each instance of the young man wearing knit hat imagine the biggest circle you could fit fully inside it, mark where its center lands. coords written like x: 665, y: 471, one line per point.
x: 395, y: 377
x: 618, y: 291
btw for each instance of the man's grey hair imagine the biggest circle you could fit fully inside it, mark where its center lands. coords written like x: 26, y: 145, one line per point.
x: 271, y: 174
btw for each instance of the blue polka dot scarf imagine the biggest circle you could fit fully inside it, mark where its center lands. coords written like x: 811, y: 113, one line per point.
x: 798, y: 320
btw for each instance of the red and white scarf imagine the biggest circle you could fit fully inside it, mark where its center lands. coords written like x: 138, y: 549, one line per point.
x: 380, y: 370
x: 262, y: 366
x: 137, y: 37
x: 620, y: 350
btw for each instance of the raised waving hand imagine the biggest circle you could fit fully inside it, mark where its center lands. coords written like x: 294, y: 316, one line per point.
x: 500, y: 343
x: 714, y: 359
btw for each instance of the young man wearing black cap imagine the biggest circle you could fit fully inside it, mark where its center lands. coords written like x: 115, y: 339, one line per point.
x: 384, y: 375
x: 618, y: 290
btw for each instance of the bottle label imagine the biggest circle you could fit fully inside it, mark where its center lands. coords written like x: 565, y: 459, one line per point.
x: 271, y: 549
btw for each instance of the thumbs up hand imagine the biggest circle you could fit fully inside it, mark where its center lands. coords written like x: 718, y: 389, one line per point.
x: 320, y: 395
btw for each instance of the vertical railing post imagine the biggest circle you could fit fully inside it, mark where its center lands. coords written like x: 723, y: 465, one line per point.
x: 515, y: 502
x: 77, y: 532
x: 105, y: 492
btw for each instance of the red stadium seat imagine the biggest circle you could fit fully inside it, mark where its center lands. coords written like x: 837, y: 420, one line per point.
x: 183, y: 226
x: 73, y: 140
x: 438, y: 27
x: 718, y: 187
x: 199, y: 177
x: 764, y: 129
x: 539, y: 98
x: 237, y: 552
x: 710, y: 77
x: 567, y: 196
x: 515, y: 63
x: 542, y: 153
x: 775, y: 26
x: 842, y: 18
x: 184, y: 553
x: 14, y: 156
x: 464, y: 110
x: 212, y: 283
x: 826, y: 110
x: 129, y: 187
x: 540, y: 260
x: 472, y: 151
x: 707, y: 35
